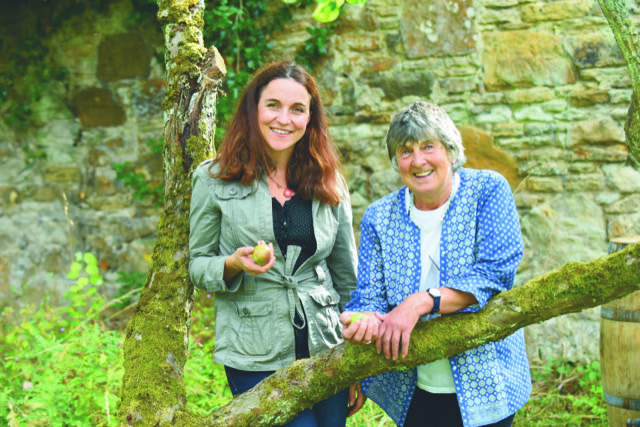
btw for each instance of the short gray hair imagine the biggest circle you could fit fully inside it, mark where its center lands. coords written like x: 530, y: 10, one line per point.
x: 423, y: 121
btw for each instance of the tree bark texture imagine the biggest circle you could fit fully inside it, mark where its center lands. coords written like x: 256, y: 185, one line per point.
x: 157, y: 337
x: 628, y: 39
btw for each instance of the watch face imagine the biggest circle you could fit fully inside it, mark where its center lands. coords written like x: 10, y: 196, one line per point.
x: 434, y: 292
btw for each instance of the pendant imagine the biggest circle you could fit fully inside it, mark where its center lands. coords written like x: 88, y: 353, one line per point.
x: 287, y: 193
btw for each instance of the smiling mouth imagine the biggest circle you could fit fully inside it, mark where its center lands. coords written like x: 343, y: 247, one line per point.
x: 423, y: 174
x: 281, y: 131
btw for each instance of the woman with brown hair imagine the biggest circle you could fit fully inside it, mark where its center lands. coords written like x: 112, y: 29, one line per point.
x: 276, y: 179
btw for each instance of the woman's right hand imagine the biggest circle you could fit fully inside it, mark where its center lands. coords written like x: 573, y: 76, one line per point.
x: 242, y: 260
x: 362, y: 331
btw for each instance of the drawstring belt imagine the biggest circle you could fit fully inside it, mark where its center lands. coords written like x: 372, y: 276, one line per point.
x: 291, y: 283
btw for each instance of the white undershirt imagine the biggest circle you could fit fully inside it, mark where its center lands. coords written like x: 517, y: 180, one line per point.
x: 434, y: 377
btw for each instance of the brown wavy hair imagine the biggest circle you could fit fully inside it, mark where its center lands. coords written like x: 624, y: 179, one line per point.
x: 314, y: 165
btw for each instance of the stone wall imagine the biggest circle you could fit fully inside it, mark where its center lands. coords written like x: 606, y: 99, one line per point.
x: 540, y: 92
x: 66, y: 198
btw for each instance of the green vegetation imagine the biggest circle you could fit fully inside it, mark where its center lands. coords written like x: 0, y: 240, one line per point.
x: 143, y: 186
x: 63, y: 367
x: 565, y: 394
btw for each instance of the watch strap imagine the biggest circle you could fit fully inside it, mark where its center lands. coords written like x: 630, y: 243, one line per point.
x: 436, y: 302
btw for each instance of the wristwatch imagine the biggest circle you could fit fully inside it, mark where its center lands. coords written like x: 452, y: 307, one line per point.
x: 435, y: 294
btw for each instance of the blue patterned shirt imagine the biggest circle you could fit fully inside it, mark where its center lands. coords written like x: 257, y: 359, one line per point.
x: 480, y: 249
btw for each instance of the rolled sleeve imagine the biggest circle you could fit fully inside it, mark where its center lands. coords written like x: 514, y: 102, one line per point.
x: 498, y: 248
x: 370, y: 294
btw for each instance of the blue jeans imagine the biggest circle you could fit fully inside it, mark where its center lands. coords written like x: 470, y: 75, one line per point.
x: 331, y: 412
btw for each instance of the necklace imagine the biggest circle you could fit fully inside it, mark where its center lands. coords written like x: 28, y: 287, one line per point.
x: 285, y: 191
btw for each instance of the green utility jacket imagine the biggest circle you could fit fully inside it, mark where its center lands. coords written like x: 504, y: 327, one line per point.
x: 254, y: 315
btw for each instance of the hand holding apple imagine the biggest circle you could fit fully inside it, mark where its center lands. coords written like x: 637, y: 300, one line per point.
x: 262, y: 254
x: 359, y: 328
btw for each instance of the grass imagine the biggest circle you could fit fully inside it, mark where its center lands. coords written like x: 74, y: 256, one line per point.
x: 63, y: 367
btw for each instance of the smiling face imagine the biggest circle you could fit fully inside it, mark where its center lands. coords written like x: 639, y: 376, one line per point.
x: 425, y: 167
x: 283, y: 115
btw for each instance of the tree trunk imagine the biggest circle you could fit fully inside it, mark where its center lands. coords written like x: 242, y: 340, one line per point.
x: 157, y: 337
x: 626, y: 34
x: 155, y: 349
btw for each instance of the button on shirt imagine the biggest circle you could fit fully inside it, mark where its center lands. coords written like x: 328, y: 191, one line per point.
x: 293, y: 225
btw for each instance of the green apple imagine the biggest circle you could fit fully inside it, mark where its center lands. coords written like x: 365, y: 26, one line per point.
x: 357, y: 317
x: 261, y: 254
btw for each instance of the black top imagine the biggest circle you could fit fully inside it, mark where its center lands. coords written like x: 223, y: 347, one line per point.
x: 293, y: 225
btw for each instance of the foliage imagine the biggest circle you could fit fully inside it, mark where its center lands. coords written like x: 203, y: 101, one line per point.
x: 130, y: 284
x: 315, y: 46
x: 63, y: 367
x: 59, y: 367
x: 565, y: 394
x: 329, y: 10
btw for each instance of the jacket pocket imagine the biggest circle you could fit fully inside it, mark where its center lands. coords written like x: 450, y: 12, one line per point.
x: 327, y: 319
x: 254, y: 328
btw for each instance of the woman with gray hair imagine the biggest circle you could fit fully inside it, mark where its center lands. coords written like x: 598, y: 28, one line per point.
x: 445, y: 243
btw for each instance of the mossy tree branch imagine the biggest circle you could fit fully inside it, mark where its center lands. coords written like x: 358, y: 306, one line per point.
x: 572, y: 288
x: 628, y: 38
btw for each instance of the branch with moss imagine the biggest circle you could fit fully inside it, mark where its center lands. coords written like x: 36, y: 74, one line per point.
x: 572, y: 288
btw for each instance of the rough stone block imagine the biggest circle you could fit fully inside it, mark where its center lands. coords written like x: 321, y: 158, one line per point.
x: 625, y: 179
x: 554, y: 10
x: 528, y: 96
x: 545, y: 185
x: 524, y: 58
x: 583, y: 98
x: 590, y: 182
x: 597, y: 49
x: 123, y: 56
x: 630, y: 204
x: 70, y: 173
x: 438, y: 28
x: 483, y: 154
x: 603, y: 130
x: 597, y: 153
x: 97, y: 107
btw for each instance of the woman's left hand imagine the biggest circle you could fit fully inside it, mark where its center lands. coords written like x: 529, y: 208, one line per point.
x: 357, y: 399
x: 397, y: 326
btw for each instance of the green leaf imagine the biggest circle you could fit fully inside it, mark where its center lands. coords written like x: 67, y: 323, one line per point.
x: 83, y: 281
x: 327, y: 11
x: 90, y: 258
x: 78, y: 256
x: 74, y: 270
x: 96, y: 279
x: 356, y: 1
x: 92, y: 270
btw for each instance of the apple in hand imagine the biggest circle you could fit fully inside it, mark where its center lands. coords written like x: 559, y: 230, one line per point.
x: 357, y: 317
x: 261, y: 254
